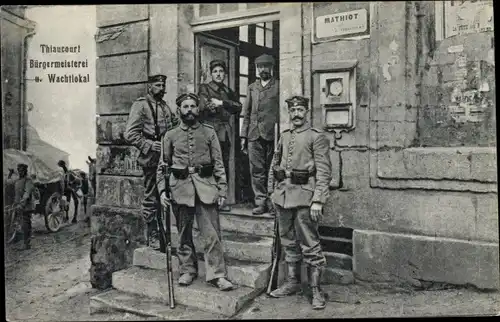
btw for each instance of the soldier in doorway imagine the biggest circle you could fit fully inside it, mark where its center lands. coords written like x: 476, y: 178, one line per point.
x: 24, y: 197
x: 260, y: 115
x: 217, y: 104
x: 150, y: 118
x: 298, y: 183
x: 192, y: 163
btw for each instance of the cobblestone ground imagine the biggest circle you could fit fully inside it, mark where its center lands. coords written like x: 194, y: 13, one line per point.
x: 50, y: 282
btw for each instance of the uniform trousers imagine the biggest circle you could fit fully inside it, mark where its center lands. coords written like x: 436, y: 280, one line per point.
x: 150, y: 202
x: 260, y: 154
x: 207, y: 217
x: 299, y: 236
x: 26, y: 226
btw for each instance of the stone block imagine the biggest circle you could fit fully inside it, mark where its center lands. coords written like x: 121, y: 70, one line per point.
x: 122, y: 39
x: 483, y: 165
x: 356, y: 138
x: 486, y: 218
x: 397, y: 113
x: 244, y: 247
x: 411, y: 259
x: 130, y: 68
x: 116, y: 14
x: 118, y: 99
x: 336, y: 170
x: 111, y: 129
x: 249, y: 224
x: 115, y: 234
x: 239, y: 272
x: 395, y: 134
x: 151, y: 283
x: 118, y: 160
x: 114, y: 301
x: 355, y: 170
x: 338, y: 261
x: 118, y: 191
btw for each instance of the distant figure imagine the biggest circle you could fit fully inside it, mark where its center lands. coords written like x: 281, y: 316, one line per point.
x: 72, y: 182
x: 24, y: 190
x: 150, y: 117
x: 92, y: 174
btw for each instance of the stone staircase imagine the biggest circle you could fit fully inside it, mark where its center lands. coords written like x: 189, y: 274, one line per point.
x: 247, y: 239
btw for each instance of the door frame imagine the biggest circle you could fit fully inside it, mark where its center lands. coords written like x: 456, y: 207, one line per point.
x: 199, y: 40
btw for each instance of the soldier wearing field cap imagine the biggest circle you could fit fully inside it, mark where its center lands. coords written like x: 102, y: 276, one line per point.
x: 149, y: 119
x: 217, y: 104
x: 298, y: 182
x: 191, y: 161
x: 24, y: 188
x: 260, y: 115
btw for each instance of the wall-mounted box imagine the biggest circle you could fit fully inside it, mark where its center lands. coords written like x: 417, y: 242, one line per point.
x: 335, y: 92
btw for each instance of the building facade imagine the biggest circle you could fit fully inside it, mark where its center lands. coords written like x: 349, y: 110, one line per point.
x: 404, y: 90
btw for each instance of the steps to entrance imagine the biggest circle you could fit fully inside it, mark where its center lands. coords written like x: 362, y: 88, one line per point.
x: 152, y: 283
x: 337, y: 260
x: 115, y: 300
x: 236, y: 245
x: 242, y: 220
x: 254, y: 275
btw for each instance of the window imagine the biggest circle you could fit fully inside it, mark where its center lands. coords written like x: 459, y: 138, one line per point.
x: 244, y: 33
x: 264, y: 34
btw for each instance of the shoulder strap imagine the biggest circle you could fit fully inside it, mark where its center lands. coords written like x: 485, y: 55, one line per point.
x: 157, y: 129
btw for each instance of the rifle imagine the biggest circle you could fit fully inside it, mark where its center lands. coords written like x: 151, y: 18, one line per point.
x: 165, y: 235
x: 276, y: 256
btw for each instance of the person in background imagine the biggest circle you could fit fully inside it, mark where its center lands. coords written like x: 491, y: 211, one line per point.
x: 150, y: 118
x: 260, y: 115
x: 24, y: 190
x: 217, y: 104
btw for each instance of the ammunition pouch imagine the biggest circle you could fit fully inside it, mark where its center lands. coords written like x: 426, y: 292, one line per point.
x: 204, y: 171
x: 296, y: 176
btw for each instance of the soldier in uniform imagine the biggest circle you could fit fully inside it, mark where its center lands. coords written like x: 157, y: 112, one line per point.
x: 192, y: 162
x: 217, y: 104
x: 24, y: 189
x: 260, y: 115
x: 298, y: 180
x: 150, y: 118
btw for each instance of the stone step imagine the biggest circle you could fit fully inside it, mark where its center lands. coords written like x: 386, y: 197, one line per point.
x: 255, y: 275
x: 117, y: 301
x: 237, y: 245
x: 338, y: 260
x: 242, y: 220
x: 152, y: 283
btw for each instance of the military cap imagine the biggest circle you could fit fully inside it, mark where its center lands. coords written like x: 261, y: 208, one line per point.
x: 187, y: 96
x: 264, y: 59
x: 298, y: 100
x: 22, y: 166
x: 217, y: 62
x: 157, y: 78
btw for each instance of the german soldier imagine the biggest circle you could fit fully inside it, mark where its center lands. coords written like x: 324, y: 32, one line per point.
x: 300, y: 174
x: 260, y: 114
x: 192, y: 161
x: 217, y: 104
x: 24, y: 189
x: 150, y: 117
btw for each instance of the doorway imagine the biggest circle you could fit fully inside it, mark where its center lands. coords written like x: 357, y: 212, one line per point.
x: 238, y: 47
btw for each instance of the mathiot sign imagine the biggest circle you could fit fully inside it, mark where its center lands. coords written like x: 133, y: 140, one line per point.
x: 342, y: 23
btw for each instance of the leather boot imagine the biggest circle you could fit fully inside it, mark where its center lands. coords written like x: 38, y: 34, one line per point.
x: 292, y: 284
x: 318, y: 299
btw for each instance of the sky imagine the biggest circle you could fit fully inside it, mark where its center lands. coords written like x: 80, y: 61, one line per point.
x: 64, y: 114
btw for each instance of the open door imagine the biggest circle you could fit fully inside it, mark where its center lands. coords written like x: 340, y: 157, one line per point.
x: 208, y: 48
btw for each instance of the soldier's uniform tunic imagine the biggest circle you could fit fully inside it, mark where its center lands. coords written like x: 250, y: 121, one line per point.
x: 195, y: 196
x: 141, y: 133
x: 24, y: 188
x: 303, y: 148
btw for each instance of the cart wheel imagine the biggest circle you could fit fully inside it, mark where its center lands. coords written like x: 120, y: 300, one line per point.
x: 54, y: 215
x: 14, y: 228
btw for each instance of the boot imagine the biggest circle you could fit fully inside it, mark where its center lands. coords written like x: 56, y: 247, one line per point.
x: 152, y: 237
x: 318, y: 299
x: 292, y: 284
x: 259, y: 210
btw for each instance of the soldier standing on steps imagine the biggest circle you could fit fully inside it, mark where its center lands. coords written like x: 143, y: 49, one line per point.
x: 191, y: 159
x: 301, y: 169
x: 150, y: 117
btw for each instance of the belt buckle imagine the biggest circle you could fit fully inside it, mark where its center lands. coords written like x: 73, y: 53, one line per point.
x: 192, y: 170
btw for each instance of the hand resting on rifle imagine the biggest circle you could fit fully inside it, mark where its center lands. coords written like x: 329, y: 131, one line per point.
x: 165, y: 199
x: 156, y: 146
